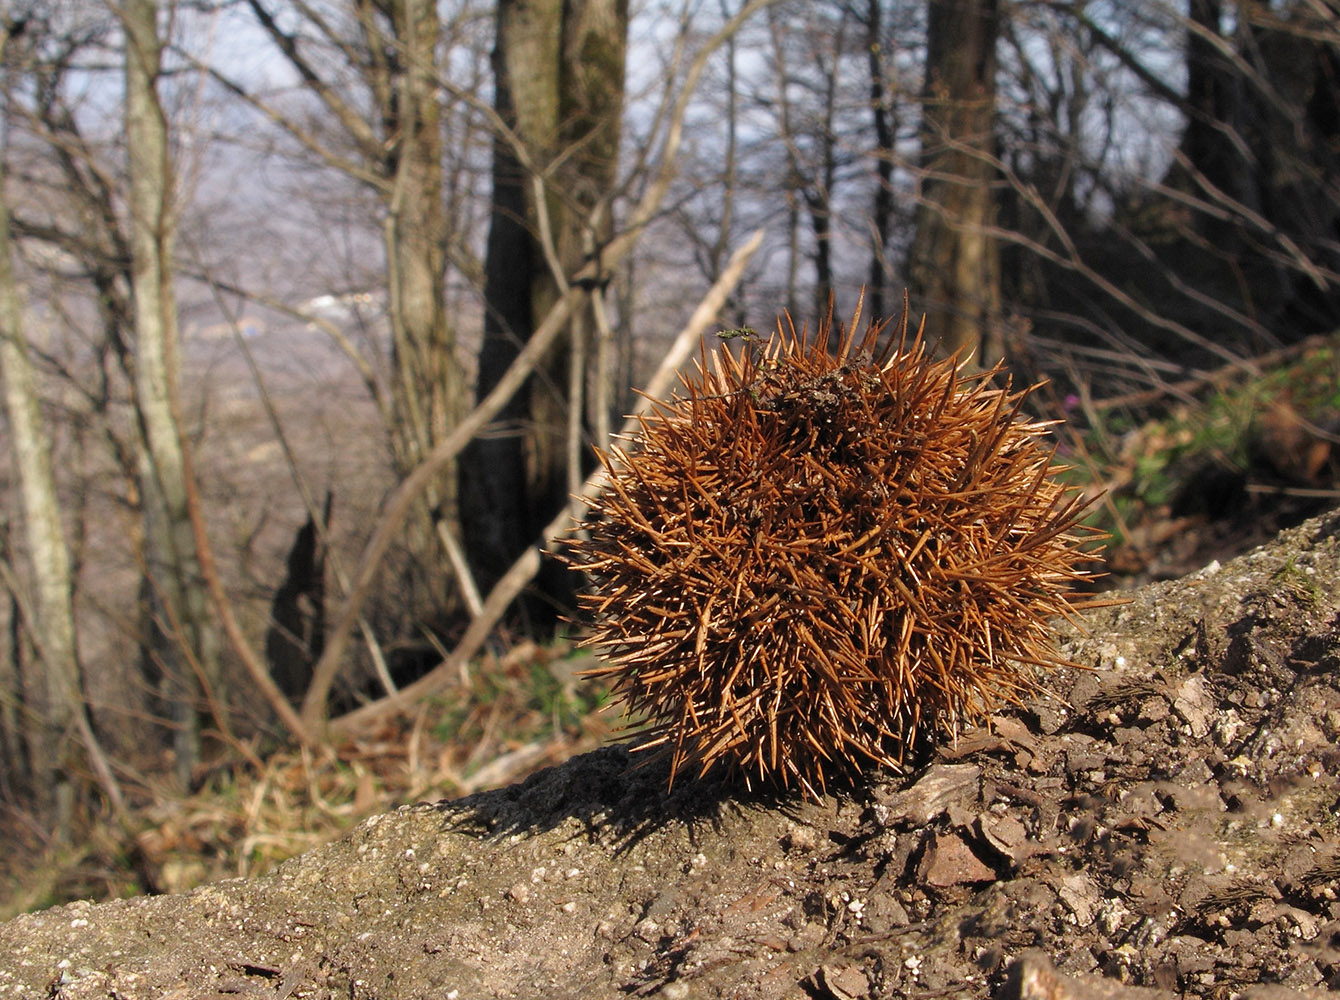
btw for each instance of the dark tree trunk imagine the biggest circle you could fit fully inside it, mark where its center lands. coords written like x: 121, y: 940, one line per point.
x: 428, y: 389
x: 559, y: 71
x: 954, y: 265
x: 1212, y: 140
x: 1259, y: 143
x: 180, y: 633
x: 881, y: 213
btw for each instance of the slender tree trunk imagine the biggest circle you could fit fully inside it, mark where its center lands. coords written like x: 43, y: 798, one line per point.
x: 720, y: 248
x: 54, y: 696
x: 954, y: 262
x: 1219, y: 127
x: 1203, y: 140
x: 819, y: 196
x: 881, y: 215
x: 13, y: 768
x: 559, y: 70
x: 182, y: 646
x: 428, y: 389
x: 496, y: 479
x: 795, y: 181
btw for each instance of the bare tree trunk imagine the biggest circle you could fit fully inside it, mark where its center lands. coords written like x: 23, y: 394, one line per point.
x: 182, y: 644
x: 794, y: 180
x: 559, y: 71
x: 717, y: 250
x: 1207, y: 139
x: 820, y: 193
x: 54, y: 696
x: 57, y: 716
x: 427, y: 393
x: 886, y: 134
x: 13, y: 770
x: 954, y: 262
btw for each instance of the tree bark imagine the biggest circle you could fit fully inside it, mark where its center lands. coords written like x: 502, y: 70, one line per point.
x: 820, y: 192
x: 954, y: 263
x: 428, y: 390
x: 883, y: 119
x: 559, y: 71
x: 55, y: 695
x: 56, y: 712
x: 181, y: 646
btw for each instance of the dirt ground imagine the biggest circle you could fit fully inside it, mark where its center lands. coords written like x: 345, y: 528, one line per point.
x: 1165, y: 824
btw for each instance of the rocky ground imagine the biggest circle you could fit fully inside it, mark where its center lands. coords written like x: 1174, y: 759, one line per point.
x: 1164, y: 824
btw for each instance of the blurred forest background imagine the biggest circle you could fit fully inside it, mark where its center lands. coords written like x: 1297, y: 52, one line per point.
x: 311, y: 312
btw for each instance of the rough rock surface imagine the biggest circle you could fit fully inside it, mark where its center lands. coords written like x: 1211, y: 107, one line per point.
x: 1163, y: 824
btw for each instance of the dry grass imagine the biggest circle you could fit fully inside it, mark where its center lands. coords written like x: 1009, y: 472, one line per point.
x: 520, y: 713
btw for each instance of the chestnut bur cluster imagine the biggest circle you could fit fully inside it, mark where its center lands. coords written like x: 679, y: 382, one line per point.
x: 823, y: 549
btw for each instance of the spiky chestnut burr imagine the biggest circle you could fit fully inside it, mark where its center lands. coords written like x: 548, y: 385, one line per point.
x: 810, y: 557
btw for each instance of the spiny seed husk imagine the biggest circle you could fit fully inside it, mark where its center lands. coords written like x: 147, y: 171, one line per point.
x: 811, y: 557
